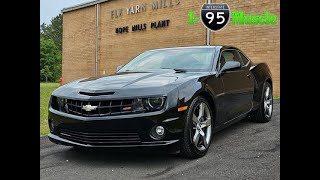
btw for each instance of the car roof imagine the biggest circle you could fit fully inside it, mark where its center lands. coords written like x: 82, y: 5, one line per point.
x: 200, y: 47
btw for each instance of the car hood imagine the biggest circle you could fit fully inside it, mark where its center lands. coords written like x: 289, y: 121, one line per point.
x: 127, y: 84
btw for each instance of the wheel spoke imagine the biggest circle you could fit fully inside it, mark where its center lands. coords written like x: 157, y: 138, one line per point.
x: 206, y: 123
x: 270, y: 110
x: 204, y: 141
x: 201, y: 111
x: 195, y: 119
x: 196, y: 137
x: 265, y: 108
x: 267, y: 92
x: 201, y: 132
x: 265, y: 105
x: 269, y: 102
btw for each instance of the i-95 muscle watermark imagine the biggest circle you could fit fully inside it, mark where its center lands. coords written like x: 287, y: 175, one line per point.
x: 216, y: 16
x: 240, y: 18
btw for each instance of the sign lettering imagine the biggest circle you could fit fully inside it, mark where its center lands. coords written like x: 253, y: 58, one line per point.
x: 139, y: 8
x: 143, y: 27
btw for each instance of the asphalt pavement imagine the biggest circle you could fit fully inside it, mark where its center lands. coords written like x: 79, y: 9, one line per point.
x: 245, y: 150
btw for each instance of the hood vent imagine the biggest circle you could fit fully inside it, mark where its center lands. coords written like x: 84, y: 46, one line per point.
x: 96, y: 93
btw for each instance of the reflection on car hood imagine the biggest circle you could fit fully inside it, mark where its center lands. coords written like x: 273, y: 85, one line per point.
x: 128, y: 83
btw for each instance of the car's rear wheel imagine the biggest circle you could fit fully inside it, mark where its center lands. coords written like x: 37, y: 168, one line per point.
x: 198, y: 129
x: 264, y: 112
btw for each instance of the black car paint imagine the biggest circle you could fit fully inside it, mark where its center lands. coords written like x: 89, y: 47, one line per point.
x: 232, y: 94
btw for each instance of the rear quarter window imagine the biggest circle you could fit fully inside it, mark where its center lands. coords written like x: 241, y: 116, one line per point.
x: 244, y: 59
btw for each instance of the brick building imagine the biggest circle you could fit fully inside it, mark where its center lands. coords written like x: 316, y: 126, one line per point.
x: 96, y: 41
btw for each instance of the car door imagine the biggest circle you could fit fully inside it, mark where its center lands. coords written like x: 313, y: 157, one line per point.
x: 238, y: 86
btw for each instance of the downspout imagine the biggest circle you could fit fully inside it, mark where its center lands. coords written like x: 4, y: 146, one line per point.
x: 97, y: 37
x: 208, y: 31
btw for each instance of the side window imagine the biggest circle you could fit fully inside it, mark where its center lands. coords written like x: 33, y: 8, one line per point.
x: 230, y: 55
x: 244, y: 59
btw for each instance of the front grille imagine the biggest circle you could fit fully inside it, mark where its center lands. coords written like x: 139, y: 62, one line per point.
x: 102, y: 138
x: 97, y: 108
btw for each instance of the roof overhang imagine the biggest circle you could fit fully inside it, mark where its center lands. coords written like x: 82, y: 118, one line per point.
x: 82, y: 5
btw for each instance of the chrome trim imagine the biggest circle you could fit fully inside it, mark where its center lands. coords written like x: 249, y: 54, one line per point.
x: 122, y: 116
x: 171, y: 119
x: 143, y: 144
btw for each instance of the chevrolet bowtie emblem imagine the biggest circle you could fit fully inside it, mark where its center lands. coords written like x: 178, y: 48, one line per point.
x: 88, y: 107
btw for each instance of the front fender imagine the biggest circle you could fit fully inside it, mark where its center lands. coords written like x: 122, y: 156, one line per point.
x: 187, y: 91
x: 192, y: 88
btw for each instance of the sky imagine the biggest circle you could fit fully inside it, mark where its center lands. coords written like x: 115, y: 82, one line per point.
x: 51, y: 8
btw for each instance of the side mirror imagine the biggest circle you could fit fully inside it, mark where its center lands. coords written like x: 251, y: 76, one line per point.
x: 229, y: 65
x: 119, y: 67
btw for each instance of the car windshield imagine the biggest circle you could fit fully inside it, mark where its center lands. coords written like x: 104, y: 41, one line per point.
x: 186, y: 59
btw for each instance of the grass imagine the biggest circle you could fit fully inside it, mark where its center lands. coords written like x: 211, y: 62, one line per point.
x: 276, y: 97
x: 45, y: 92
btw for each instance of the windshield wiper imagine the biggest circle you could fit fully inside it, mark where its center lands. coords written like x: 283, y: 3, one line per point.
x: 177, y: 70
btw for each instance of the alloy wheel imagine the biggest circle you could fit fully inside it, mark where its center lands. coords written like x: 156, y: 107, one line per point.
x: 268, y: 102
x: 201, y: 126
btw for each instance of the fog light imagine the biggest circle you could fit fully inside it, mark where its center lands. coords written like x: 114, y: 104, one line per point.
x: 160, y: 130
x: 157, y: 132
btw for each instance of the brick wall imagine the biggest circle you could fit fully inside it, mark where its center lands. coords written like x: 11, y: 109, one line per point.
x: 118, y: 49
x: 260, y: 43
x: 78, y: 45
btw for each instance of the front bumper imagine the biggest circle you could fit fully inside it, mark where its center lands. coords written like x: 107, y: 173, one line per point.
x: 115, y: 131
x: 58, y: 140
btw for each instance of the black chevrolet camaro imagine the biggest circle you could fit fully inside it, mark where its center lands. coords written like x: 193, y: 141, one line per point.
x: 173, y: 98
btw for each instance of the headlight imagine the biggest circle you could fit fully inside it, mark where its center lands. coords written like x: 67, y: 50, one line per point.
x: 155, y: 103
x: 148, y: 104
x: 138, y: 105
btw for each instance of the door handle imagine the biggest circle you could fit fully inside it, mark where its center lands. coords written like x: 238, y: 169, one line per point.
x: 249, y: 75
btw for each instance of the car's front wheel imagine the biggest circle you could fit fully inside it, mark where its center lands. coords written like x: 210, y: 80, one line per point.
x: 198, y: 129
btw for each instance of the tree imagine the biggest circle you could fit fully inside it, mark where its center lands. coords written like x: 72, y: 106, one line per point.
x: 50, y: 60
x: 53, y: 31
x: 45, y: 72
x: 50, y: 49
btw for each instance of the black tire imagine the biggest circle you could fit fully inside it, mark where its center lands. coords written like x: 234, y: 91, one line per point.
x: 259, y: 115
x: 188, y: 149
